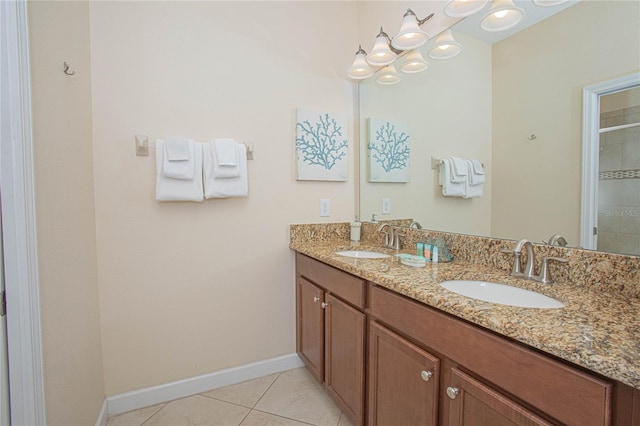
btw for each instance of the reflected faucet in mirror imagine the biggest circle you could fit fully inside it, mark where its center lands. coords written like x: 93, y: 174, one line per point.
x: 557, y: 240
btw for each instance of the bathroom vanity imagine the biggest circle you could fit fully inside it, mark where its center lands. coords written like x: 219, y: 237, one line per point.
x: 393, y: 348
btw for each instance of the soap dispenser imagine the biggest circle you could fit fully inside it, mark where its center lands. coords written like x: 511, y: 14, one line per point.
x: 355, y: 230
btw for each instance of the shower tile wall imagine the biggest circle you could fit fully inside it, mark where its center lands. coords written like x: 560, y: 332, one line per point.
x: 619, y: 193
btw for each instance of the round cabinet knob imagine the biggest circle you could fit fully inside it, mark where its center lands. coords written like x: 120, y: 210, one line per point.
x: 452, y: 392
x: 316, y: 299
x: 426, y: 375
x: 324, y: 305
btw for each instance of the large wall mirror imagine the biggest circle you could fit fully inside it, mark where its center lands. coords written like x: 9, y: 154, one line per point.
x: 516, y: 106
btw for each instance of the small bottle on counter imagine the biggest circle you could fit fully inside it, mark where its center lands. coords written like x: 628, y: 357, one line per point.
x: 427, y: 251
x: 419, y: 249
x: 434, y: 254
x: 355, y: 230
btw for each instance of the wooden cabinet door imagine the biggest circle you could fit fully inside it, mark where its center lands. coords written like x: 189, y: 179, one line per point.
x: 310, y: 326
x: 403, y: 381
x: 472, y: 403
x: 344, y: 356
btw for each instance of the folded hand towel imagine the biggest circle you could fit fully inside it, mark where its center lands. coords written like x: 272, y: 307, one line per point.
x: 179, y: 169
x: 458, y: 169
x: 472, y: 190
x: 226, y: 152
x: 176, y: 149
x: 476, y: 174
x: 222, y: 172
x: 170, y: 189
x: 449, y: 187
x: 225, y: 187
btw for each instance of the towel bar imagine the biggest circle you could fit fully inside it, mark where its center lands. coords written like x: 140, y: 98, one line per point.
x: 142, y: 146
x: 435, y: 162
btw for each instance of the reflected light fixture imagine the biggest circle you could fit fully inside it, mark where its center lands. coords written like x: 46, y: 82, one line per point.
x: 414, y: 63
x: 388, y: 75
x: 462, y: 8
x: 381, y: 54
x: 547, y: 3
x: 410, y: 35
x: 502, y: 16
x: 360, y: 69
x: 445, y: 46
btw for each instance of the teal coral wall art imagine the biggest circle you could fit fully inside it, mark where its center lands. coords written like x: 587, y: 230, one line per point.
x: 322, y: 147
x: 388, y: 151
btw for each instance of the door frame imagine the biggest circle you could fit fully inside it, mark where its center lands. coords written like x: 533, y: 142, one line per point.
x: 591, y: 152
x: 24, y: 334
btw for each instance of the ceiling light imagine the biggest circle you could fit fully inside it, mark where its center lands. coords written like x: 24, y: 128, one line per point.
x: 547, y: 3
x: 445, y: 46
x: 381, y: 54
x: 414, y: 63
x: 388, y: 75
x: 502, y: 16
x: 462, y: 8
x: 410, y: 35
x: 360, y: 69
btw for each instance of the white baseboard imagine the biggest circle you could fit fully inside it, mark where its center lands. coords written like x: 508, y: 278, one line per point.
x: 140, y: 398
x: 102, y: 417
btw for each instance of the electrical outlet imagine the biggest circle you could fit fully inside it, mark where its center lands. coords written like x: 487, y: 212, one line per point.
x: 325, y: 207
x: 386, y: 206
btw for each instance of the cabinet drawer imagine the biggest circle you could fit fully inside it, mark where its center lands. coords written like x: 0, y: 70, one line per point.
x: 348, y: 287
x: 559, y: 390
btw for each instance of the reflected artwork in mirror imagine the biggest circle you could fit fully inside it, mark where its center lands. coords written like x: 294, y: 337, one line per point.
x: 487, y: 102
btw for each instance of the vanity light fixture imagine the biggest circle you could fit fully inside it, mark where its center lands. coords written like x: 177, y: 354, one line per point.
x: 410, y: 35
x: 388, y: 76
x: 381, y: 54
x: 360, y: 69
x: 414, y: 63
x: 502, y: 16
x: 463, y: 8
x: 445, y: 46
x: 547, y: 3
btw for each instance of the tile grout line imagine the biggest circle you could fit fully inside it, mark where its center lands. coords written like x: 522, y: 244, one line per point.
x: 284, y: 417
x: 265, y: 392
x: 160, y: 409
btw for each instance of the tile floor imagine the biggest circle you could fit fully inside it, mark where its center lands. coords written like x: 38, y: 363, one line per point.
x: 290, y: 398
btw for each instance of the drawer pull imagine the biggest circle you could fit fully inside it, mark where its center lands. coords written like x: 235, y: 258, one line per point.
x: 426, y: 375
x: 316, y: 299
x: 324, y: 305
x: 452, y: 392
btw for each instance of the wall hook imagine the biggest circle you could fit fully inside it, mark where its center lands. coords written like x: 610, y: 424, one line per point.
x: 532, y: 137
x: 66, y: 69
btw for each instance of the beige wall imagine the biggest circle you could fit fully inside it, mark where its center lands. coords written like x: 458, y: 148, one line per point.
x: 189, y: 288
x: 72, y: 353
x: 538, y: 77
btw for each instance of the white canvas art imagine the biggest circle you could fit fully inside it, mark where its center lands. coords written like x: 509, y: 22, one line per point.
x: 321, y: 145
x: 388, y: 151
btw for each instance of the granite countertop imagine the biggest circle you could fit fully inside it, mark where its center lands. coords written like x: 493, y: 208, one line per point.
x: 594, y: 330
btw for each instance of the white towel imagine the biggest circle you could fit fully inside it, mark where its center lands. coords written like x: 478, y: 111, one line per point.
x: 170, y: 189
x: 178, y: 169
x: 476, y: 173
x: 449, y: 187
x: 225, y: 171
x: 225, y: 187
x: 458, y: 169
x: 472, y: 190
x: 226, y: 152
x: 176, y: 149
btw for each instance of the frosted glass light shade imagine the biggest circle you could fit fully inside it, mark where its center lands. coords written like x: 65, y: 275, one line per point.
x: 388, y: 76
x: 445, y: 46
x: 360, y: 69
x: 462, y: 8
x: 410, y: 35
x: 502, y: 16
x: 547, y: 3
x: 414, y: 63
x: 381, y: 54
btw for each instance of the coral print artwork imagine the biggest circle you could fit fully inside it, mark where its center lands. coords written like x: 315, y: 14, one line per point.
x: 388, y: 151
x: 321, y: 145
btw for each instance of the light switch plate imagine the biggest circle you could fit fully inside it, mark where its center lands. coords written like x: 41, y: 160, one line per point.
x: 325, y: 207
x: 386, y: 206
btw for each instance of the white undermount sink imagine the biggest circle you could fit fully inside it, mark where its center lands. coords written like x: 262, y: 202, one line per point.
x: 362, y: 254
x: 501, y: 294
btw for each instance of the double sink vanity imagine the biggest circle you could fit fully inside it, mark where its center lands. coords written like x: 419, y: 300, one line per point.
x: 396, y: 345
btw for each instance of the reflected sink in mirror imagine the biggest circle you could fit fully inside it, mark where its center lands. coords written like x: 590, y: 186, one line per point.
x: 362, y: 254
x: 501, y: 294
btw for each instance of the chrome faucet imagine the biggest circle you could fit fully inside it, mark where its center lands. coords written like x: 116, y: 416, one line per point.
x: 529, y: 269
x: 416, y: 225
x: 388, y: 234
